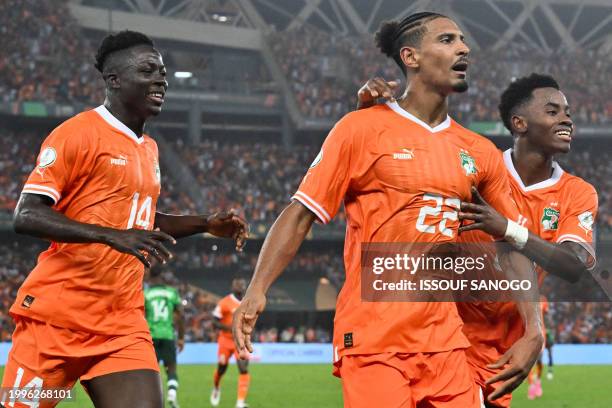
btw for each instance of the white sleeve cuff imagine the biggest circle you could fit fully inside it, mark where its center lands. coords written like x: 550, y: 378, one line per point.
x: 313, y: 206
x: 42, y: 190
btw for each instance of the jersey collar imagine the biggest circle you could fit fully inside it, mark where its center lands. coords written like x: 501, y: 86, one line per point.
x: 117, y: 124
x: 234, y: 297
x: 402, y: 112
x: 556, y: 174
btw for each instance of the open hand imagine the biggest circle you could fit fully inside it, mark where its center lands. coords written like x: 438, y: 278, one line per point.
x: 485, y: 217
x: 243, y: 324
x: 520, y: 359
x: 226, y: 224
x: 140, y: 243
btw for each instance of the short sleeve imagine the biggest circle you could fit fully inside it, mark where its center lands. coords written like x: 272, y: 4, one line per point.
x: 326, y: 182
x: 176, y: 299
x: 218, y: 312
x: 495, y: 186
x: 55, y: 165
x: 576, y: 223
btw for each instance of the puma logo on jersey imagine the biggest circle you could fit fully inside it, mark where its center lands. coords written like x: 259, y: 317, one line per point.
x: 406, y: 154
x: 120, y: 161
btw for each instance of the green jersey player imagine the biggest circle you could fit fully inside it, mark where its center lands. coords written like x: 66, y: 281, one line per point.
x: 164, y: 312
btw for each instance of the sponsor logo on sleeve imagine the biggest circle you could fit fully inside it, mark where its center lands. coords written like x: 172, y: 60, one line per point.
x: 47, y: 157
x: 157, y: 172
x: 585, y: 221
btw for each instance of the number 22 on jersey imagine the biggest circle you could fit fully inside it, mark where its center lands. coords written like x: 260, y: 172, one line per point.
x: 434, y: 211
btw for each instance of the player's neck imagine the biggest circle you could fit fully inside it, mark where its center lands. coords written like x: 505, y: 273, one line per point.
x: 424, y: 103
x: 119, y: 111
x: 531, y: 165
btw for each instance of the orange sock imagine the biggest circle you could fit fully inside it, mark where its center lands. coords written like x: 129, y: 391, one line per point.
x: 530, y: 377
x: 216, y: 378
x: 538, y: 370
x: 243, y: 386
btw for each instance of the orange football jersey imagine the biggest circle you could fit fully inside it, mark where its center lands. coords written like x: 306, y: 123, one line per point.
x: 224, y: 311
x: 559, y: 209
x: 401, y: 181
x: 96, y: 171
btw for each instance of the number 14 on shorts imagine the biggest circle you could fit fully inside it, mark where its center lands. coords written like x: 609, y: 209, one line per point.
x: 31, y: 394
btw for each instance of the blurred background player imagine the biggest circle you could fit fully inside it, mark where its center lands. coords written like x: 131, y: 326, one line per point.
x: 93, y: 193
x: 550, y: 342
x: 164, y: 312
x: 535, y: 389
x: 394, y: 353
x: 223, y: 317
x: 565, y: 247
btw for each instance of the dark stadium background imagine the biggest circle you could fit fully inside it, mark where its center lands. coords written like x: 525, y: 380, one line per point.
x: 267, y: 81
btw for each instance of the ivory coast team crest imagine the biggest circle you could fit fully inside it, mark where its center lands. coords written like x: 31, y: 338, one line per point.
x: 550, y: 219
x: 467, y: 162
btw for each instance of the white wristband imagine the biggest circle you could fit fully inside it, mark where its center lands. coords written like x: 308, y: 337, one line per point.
x: 516, y: 234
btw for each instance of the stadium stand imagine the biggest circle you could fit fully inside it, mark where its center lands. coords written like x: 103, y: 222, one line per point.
x: 326, y: 69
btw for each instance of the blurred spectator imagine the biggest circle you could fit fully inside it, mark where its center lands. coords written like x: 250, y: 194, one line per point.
x: 44, y: 55
x: 325, y: 71
x: 256, y: 179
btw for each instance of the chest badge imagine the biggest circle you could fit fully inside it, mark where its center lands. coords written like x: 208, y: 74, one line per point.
x: 468, y: 163
x: 550, y: 219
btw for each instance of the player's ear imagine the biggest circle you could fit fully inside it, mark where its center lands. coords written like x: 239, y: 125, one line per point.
x: 112, y: 79
x: 409, y: 57
x: 519, y: 124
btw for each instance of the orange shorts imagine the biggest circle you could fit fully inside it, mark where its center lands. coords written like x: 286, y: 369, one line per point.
x: 416, y: 380
x: 481, y: 374
x: 226, y: 350
x: 49, y: 357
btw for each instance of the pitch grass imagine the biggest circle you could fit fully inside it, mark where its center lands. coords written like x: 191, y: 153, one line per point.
x: 307, y: 386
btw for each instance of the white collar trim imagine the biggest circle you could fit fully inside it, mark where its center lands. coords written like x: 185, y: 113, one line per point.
x: 117, y: 124
x: 556, y: 174
x: 402, y: 112
x: 234, y: 297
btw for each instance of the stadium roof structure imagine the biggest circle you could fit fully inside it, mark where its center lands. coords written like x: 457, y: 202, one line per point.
x: 544, y: 25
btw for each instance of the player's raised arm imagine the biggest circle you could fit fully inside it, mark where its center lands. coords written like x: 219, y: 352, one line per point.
x: 567, y: 260
x: 224, y: 224
x: 279, y: 248
x: 34, y: 216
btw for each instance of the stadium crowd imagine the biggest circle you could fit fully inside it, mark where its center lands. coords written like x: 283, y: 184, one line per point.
x: 326, y: 69
x: 47, y: 58
x: 256, y: 179
x: 44, y: 55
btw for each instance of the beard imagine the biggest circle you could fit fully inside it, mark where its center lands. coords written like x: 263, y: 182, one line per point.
x: 460, y: 86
